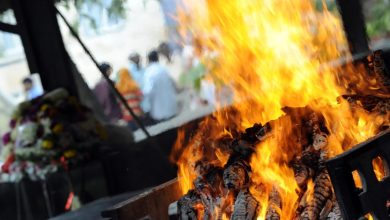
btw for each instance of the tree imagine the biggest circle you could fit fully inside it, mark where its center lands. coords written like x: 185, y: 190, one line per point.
x: 378, y: 18
x: 116, y: 8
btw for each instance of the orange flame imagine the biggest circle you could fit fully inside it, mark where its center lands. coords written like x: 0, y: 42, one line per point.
x: 273, y: 54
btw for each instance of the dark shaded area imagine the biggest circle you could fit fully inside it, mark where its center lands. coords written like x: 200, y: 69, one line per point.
x: 4, y: 5
x: 122, y: 172
x: 8, y: 199
x: 92, y: 211
x: 141, y: 165
x: 31, y: 200
x: 386, y: 58
x: 117, y: 171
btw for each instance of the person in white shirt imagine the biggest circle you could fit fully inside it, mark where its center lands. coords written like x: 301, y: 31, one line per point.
x: 138, y: 74
x: 159, y: 90
x: 31, y: 90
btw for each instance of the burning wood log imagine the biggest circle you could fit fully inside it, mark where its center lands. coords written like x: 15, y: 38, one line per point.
x: 244, y: 146
x: 209, y: 186
x: 311, y: 157
x: 327, y: 209
x: 274, y: 205
x: 190, y: 206
x: 209, y: 176
x: 383, y: 107
x: 376, y: 66
x: 242, y: 149
x: 256, y: 133
x: 245, y: 207
x: 235, y: 175
x: 302, y: 172
x: 335, y: 213
x: 368, y: 102
x: 320, y: 140
x: 320, y: 196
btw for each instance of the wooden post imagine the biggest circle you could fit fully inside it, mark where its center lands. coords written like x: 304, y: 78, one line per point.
x: 43, y: 44
x: 354, y: 25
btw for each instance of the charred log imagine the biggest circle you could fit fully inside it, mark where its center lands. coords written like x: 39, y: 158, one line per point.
x: 190, y: 206
x: 377, y: 67
x: 311, y: 158
x: 275, y: 205
x: 256, y: 133
x: 311, y: 128
x: 209, y: 187
x: 368, y: 102
x: 327, y: 209
x: 302, y: 172
x: 244, y: 145
x: 245, y: 207
x: 209, y: 177
x: 241, y: 150
x: 335, y: 213
x: 321, y: 194
x: 236, y: 175
x: 383, y: 107
x: 320, y: 140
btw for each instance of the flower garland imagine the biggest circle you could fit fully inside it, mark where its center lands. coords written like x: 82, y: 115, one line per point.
x: 49, y: 132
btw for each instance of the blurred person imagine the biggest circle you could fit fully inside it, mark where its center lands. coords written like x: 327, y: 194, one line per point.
x: 159, y: 90
x: 135, y: 68
x: 138, y: 74
x: 165, y: 50
x: 106, y: 96
x: 31, y: 90
x: 133, y: 95
x: 196, y: 75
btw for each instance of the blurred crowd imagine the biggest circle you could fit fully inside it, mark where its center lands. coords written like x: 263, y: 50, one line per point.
x: 149, y: 91
x: 148, y: 88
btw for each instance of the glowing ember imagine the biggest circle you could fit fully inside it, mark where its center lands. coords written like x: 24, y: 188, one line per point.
x: 274, y: 54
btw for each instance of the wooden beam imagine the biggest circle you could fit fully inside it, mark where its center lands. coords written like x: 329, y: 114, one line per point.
x: 43, y: 43
x: 153, y: 204
x: 354, y: 25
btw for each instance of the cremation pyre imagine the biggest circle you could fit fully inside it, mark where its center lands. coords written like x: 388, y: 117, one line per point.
x: 277, y: 59
x: 226, y: 190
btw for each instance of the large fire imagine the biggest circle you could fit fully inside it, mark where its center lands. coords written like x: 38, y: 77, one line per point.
x: 273, y: 54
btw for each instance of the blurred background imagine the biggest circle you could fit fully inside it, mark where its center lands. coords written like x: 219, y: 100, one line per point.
x: 122, y: 35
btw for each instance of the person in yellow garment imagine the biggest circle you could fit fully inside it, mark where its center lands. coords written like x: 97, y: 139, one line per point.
x: 130, y: 90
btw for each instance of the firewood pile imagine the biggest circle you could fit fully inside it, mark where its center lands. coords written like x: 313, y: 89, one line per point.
x: 228, y: 192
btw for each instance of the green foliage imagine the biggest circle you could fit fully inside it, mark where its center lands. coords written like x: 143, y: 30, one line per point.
x: 194, y: 77
x: 115, y: 10
x: 378, y: 19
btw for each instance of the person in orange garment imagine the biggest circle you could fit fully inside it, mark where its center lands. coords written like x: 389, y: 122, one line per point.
x: 130, y: 90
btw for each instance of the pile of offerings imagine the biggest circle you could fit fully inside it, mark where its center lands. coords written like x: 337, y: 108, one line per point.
x: 49, y: 133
